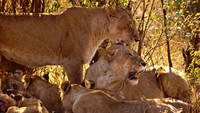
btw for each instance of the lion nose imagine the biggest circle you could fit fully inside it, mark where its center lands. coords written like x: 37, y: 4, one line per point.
x: 143, y: 63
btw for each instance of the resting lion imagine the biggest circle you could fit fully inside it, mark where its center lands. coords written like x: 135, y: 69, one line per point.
x: 48, y: 93
x: 69, y: 39
x: 148, y: 84
x: 174, y: 86
x: 117, y: 64
x: 77, y: 99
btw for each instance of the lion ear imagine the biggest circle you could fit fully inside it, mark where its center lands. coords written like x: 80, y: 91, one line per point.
x: 111, y: 13
x: 110, y: 54
x: 65, y: 86
x: 89, y: 84
x: 27, y: 79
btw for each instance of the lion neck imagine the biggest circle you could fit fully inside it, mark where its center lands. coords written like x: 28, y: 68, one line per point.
x: 97, y: 69
x: 76, y: 91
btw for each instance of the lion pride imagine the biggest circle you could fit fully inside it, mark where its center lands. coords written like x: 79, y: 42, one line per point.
x: 69, y: 39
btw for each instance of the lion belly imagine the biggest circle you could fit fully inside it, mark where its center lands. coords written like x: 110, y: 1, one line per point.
x: 27, y: 60
x: 29, y: 41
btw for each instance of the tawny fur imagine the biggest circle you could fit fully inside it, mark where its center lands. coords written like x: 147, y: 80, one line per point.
x: 148, y: 86
x: 174, y: 86
x: 10, y: 81
x: 46, y: 92
x: 117, y: 64
x: 28, y: 109
x: 28, y: 105
x: 69, y: 39
x: 8, y: 66
x: 78, y: 99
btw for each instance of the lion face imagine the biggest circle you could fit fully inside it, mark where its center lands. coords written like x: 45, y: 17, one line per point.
x: 111, y: 69
x: 124, y: 27
x: 13, y: 82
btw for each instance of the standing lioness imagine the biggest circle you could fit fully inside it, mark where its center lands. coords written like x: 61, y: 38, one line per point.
x: 69, y: 39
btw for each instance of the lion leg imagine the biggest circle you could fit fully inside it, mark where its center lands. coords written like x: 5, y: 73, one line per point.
x: 74, y: 72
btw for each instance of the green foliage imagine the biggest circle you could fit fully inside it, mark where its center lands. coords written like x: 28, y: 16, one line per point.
x: 53, y: 6
x: 194, y: 74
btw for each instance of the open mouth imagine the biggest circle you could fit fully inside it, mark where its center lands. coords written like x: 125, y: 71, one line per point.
x: 132, y: 76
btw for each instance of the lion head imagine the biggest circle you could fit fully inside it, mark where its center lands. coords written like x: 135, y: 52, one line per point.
x: 12, y: 81
x: 117, y: 64
x: 48, y: 93
x: 124, y: 27
x: 69, y: 94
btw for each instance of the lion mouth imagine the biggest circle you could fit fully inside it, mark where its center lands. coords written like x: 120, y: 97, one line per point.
x: 132, y: 76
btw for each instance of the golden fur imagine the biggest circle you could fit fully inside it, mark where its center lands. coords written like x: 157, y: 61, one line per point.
x: 117, y: 64
x: 174, y: 86
x: 48, y: 93
x: 8, y: 101
x: 28, y: 105
x: 28, y: 109
x: 148, y: 86
x: 10, y: 81
x: 78, y: 99
x: 69, y: 39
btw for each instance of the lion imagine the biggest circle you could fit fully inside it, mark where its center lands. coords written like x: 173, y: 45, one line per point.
x: 117, y: 64
x: 77, y: 99
x: 12, y: 81
x: 46, y: 92
x: 70, y: 38
x: 174, y: 86
x: 148, y: 83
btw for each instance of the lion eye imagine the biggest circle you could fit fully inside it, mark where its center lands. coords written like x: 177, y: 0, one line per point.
x: 129, y: 54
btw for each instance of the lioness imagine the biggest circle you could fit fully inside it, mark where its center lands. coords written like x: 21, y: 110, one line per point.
x: 77, y: 99
x: 69, y: 39
x: 48, y: 93
x: 147, y: 86
x: 117, y: 64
